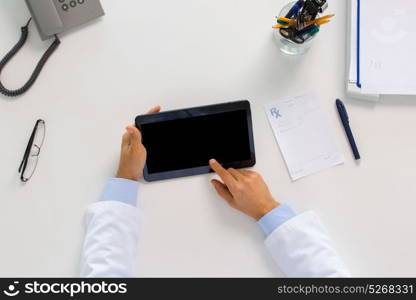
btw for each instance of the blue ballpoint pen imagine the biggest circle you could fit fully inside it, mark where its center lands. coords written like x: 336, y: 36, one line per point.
x: 295, y: 9
x: 346, y: 123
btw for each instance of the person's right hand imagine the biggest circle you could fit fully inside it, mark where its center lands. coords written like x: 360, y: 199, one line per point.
x: 245, y: 191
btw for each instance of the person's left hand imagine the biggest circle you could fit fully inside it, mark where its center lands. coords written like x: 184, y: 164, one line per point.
x: 133, y: 153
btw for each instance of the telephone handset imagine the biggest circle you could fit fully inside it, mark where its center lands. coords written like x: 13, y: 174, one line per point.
x: 56, y: 16
x: 51, y: 17
x: 47, y: 18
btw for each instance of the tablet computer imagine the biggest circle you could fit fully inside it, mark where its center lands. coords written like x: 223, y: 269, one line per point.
x: 181, y: 142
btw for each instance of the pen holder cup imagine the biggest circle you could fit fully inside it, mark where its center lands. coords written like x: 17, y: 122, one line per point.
x: 286, y: 45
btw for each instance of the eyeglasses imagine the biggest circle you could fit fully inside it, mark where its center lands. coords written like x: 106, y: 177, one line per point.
x: 31, y: 156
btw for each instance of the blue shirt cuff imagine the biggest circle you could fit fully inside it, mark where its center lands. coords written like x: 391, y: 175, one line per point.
x: 121, y: 190
x: 276, y: 217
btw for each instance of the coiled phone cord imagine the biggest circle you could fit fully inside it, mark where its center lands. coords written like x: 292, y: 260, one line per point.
x: 39, y: 66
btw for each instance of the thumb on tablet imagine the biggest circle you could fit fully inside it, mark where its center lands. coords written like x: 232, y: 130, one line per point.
x: 135, y: 137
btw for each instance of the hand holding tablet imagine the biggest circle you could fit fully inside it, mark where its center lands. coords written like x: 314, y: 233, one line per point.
x: 133, y: 153
x: 180, y: 143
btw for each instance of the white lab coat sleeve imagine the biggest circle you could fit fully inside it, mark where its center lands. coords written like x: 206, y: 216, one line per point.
x: 111, y: 241
x: 301, y: 247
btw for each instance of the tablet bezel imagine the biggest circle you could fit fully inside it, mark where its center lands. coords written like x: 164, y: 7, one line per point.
x: 196, y: 112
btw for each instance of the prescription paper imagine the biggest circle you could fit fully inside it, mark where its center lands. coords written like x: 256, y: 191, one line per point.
x: 388, y: 47
x: 304, y: 134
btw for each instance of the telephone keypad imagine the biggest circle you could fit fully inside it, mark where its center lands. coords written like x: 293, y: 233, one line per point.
x: 66, y: 5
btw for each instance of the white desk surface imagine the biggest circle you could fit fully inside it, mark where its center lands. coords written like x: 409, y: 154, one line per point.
x: 187, y: 53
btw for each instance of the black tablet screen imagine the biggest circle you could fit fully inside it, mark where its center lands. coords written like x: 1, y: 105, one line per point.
x: 191, y: 142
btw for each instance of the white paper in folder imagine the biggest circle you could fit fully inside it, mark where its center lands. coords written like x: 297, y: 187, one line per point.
x: 388, y: 47
x: 352, y: 74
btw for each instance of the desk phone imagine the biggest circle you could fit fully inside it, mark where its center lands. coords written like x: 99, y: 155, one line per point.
x: 56, y: 16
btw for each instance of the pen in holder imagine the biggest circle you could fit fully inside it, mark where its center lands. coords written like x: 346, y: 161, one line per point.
x: 298, y: 24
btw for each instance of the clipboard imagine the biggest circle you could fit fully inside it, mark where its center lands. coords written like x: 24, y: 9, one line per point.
x: 353, y: 59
